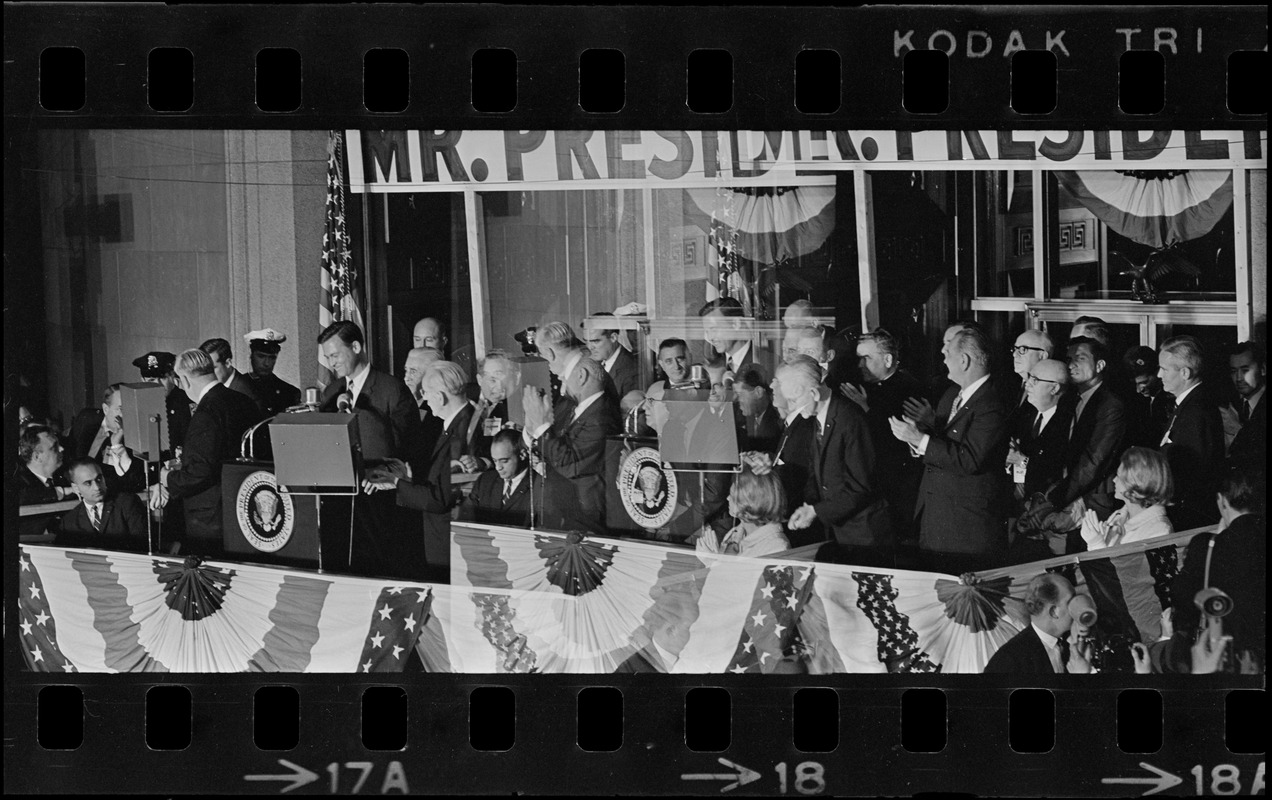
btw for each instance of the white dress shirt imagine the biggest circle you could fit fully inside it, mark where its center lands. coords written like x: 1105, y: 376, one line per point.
x: 964, y: 395
x: 355, y: 382
x: 1052, y: 645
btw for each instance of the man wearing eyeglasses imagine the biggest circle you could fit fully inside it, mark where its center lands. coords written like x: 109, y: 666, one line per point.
x: 1037, y: 457
x: 1096, y: 440
x: 1031, y: 347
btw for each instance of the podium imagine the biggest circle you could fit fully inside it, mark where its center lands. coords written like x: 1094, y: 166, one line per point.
x: 261, y: 523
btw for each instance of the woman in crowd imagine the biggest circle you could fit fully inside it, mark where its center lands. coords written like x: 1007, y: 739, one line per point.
x: 1143, y: 483
x: 758, y: 503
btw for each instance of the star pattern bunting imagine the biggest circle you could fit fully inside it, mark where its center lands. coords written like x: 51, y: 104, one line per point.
x: 38, y: 634
x: 771, y: 629
x: 496, y: 626
x: 395, y: 626
x: 1163, y: 564
x: 898, y: 642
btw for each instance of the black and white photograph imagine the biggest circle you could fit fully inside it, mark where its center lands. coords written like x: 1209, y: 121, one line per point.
x: 401, y: 400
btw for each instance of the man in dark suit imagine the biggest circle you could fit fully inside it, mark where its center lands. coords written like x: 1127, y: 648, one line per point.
x: 842, y: 490
x: 223, y: 367
x: 1247, y: 416
x: 573, y: 447
x: 1150, y: 406
x: 887, y: 388
x: 423, y: 482
x: 1040, y: 451
x: 157, y: 367
x: 39, y: 477
x: 1043, y: 647
x: 727, y: 329
x: 761, y: 424
x: 276, y: 395
x: 793, y: 459
x: 1096, y: 441
x: 220, y: 418
x: 102, y: 519
x: 497, y: 376
x: 98, y: 433
x: 387, y: 417
x: 418, y: 361
x: 622, y: 373
x: 1193, y: 442
x: 1233, y: 560
x: 385, y: 538
x: 1031, y: 347
x: 501, y: 496
x: 961, y: 499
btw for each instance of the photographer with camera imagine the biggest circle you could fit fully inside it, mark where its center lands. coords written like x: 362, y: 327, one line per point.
x: 1058, y: 637
x: 1224, y: 577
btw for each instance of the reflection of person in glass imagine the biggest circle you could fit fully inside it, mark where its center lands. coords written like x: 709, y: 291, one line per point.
x: 265, y: 511
x: 673, y: 361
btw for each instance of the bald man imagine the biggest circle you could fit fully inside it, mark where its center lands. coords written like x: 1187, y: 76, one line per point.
x: 429, y: 332
x: 1042, y: 445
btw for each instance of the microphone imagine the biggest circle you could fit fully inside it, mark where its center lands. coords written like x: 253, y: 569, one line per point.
x: 310, y: 403
x: 697, y: 379
x: 344, y: 403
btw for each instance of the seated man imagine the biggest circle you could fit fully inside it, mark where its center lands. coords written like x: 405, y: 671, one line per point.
x: 98, y: 433
x: 101, y: 519
x: 39, y: 478
x: 502, y: 496
x: 497, y: 376
x: 1042, y: 648
x: 673, y: 363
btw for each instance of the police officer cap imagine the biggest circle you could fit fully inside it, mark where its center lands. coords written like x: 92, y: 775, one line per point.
x: 155, y: 364
x: 1141, y: 360
x: 266, y: 341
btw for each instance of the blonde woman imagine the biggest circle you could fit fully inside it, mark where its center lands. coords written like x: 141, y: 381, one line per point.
x: 758, y: 503
x: 1144, y: 484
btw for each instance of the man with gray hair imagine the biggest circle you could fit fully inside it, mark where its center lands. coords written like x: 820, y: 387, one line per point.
x: 961, y: 527
x: 842, y: 489
x: 1193, y: 442
x: 572, y: 445
x: 220, y: 418
x: 497, y: 377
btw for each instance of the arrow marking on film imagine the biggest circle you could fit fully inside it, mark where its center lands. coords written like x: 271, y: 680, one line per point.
x: 741, y: 777
x: 1163, y: 780
x: 299, y: 776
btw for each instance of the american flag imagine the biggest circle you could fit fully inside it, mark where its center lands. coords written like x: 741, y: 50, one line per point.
x: 722, y: 247
x: 338, y: 298
x: 396, y: 622
x: 512, y: 649
x: 39, y: 633
x: 898, y: 645
x: 770, y: 630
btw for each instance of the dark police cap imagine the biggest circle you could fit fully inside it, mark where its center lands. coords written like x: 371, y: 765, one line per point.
x: 1141, y: 360
x: 155, y: 364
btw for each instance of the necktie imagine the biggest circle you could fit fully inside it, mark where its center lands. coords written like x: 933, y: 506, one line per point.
x: 958, y: 403
x: 1063, y: 644
x: 817, y: 430
x: 1037, y: 426
x: 1244, y: 416
x: 507, y: 491
x: 95, y: 514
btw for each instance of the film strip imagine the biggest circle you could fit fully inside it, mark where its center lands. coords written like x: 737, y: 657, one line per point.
x: 500, y: 107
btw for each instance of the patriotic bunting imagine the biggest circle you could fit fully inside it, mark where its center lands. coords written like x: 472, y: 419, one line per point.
x: 541, y: 602
x: 1155, y: 209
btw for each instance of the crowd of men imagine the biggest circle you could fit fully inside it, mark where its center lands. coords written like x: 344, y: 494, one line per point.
x: 1078, y: 447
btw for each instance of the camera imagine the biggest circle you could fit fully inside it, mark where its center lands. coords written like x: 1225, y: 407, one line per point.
x: 1082, y: 608
x: 1213, y: 602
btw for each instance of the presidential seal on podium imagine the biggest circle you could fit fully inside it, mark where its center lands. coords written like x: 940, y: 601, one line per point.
x: 265, y: 515
x: 648, y: 489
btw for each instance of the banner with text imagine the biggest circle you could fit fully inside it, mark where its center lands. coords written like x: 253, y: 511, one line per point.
x: 415, y: 161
